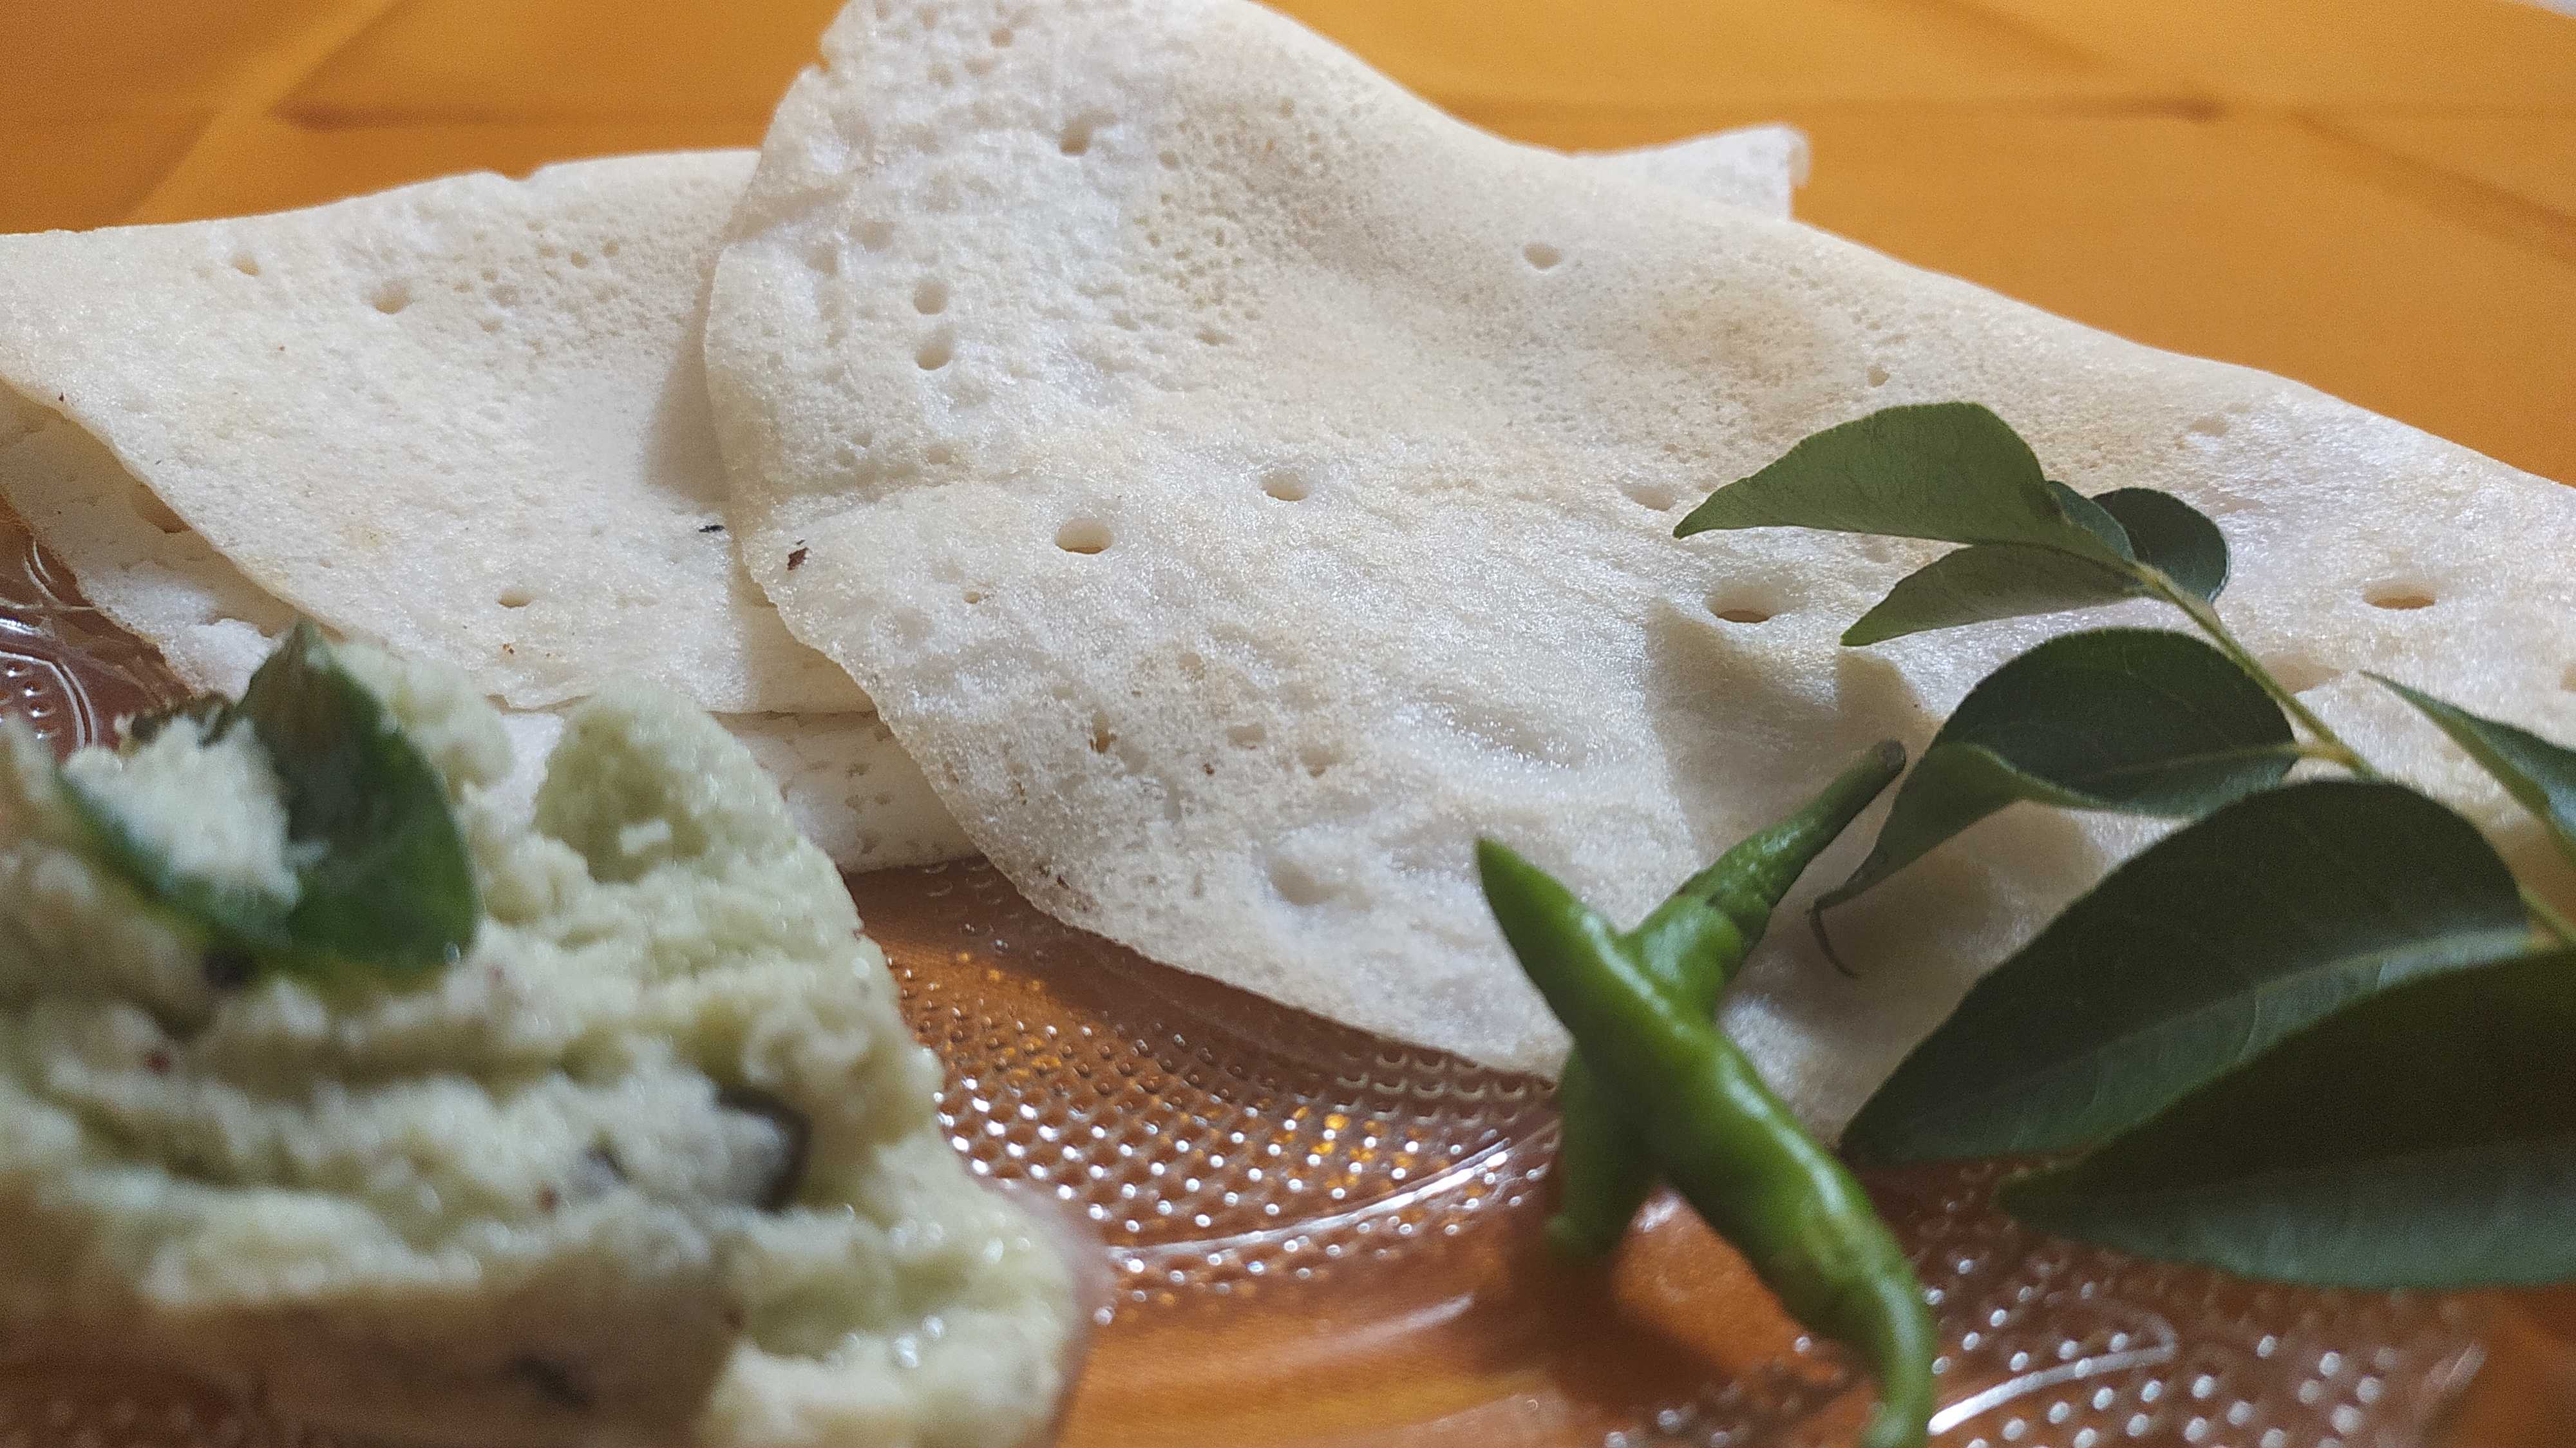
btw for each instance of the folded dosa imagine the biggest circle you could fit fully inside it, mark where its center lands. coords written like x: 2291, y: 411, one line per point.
x: 1240, y: 486
x: 650, y: 225
x: 464, y: 419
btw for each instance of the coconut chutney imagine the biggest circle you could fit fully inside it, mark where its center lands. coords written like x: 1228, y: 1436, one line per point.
x: 653, y: 1161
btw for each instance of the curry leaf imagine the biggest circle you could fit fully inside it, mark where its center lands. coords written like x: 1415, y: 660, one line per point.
x: 2193, y: 957
x: 1949, y: 471
x: 1990, y: 581
x: 1987, y: 582
x: 2141, y: 721
x: 381, y: 872
x: 2093, y: 518
x: 2540, y: 775
x: 235, y: 915
x: 2424, y: 1138
x: 2168, y: 534
x: 390, y: 882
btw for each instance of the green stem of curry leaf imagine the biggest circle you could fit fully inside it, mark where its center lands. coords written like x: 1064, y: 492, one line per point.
x: 2548, y: 916
x: 2327, y: 744
x: 2324, y: 743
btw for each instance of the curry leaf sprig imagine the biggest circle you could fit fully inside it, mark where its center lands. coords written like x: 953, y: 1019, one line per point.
x: 2265, y: 1029
x: 381, y: 873
x: 2086, y: 721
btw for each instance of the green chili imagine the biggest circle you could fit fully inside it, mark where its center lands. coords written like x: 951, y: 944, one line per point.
x: 1732, y: 1149
x: 1689, y: 949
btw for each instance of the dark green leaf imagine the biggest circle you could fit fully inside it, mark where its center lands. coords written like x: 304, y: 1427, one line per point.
x: 2093, y: 518
x: 2423, y: 1138
x: 1986, y: 582
x: 1949, y: 471
x: 391, y: 883
x: 2141, y: 721
x: 233, y: 915
x: 1990, y: 581
x: 383, y: 876
x: 2166, y: 533
x: 2538, y: 774
x: 2193, y: 957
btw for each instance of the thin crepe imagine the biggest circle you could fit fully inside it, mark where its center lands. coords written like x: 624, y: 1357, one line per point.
x: 1240, y: 486
x: 850, y: 788
x: 463, y: 419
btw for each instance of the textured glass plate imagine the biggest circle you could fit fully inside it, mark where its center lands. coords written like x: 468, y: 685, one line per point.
x: 1317, y: 1236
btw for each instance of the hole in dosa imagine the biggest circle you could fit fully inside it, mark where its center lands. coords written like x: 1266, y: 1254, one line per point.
x: 1079, y: 131
x: 1738, y: 608
x: 1083, y: 535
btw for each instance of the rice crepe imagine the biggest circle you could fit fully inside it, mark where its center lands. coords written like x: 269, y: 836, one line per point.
x: 133, y: 558
x: 463, y: 418
x: 849, y: 787
x: 1240, y: 486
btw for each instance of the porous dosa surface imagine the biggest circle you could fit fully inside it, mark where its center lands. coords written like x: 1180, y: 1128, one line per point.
x: 133, y: 558
x: 465, y: 419
x: 1240, y: 486
x: 849, y: 787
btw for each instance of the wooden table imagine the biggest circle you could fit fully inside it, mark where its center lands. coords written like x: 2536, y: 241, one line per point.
x: 2374, y: 196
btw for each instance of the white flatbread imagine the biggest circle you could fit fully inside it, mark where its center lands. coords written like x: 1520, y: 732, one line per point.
x: 851, y: 790
x: 1240, y: 486
x: 463, y: 419
x: 1756, y: 167
x: 133, y: 558
x: 513, y: 473
x: 848, y: 786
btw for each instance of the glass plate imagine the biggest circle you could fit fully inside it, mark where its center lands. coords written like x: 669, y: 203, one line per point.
x: 1321, y: 1237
